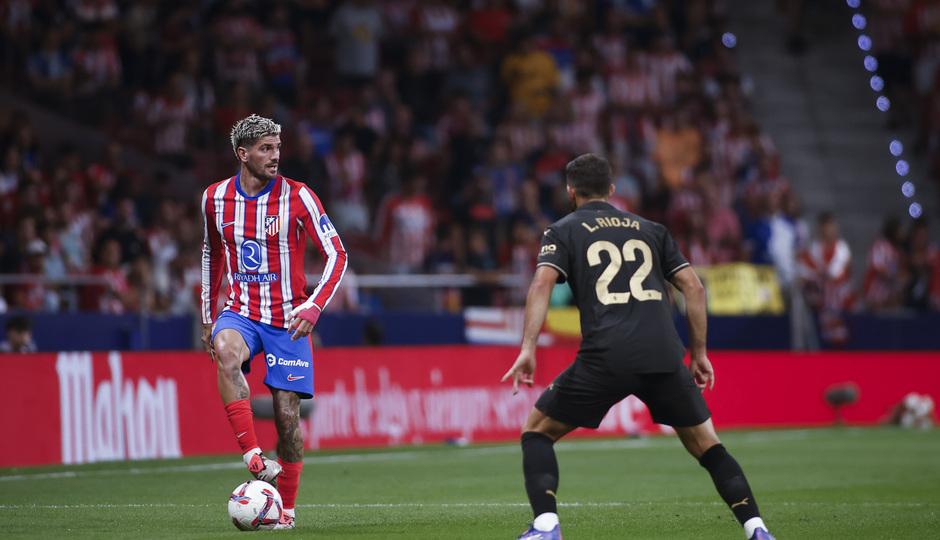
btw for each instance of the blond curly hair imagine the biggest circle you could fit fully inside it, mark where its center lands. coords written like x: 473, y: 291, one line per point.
x: 247, y: 131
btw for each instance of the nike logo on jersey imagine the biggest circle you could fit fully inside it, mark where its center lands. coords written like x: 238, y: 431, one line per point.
x: 227, y: 224
x: 292, y: 378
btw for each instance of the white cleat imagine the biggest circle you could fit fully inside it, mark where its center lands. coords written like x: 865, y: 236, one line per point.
x: 286, y: 522
x: 264, y: 469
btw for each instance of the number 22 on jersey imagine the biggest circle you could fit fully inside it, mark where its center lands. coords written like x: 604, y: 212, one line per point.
x: 604, y: 295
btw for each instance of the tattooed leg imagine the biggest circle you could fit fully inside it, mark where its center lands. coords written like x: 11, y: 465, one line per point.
x: 290, y: 445
x: 290, y: 442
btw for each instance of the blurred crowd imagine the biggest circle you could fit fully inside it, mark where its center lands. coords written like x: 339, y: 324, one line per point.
x: 435, y: 132
x: 902, y: 271
x: 905, y: 42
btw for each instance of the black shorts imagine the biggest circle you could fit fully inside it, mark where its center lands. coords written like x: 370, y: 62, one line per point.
x: 582, y: 394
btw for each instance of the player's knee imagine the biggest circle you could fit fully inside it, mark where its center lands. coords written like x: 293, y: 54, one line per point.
x: 227, y: 355
x: 539, y: 422
x: 535, y: 422
x: 699, y: 444
x: 698, y: 439
x: 287, y: 411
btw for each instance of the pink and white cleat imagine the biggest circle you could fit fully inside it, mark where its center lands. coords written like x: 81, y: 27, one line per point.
x: 264, y: 469
x: 286, y: 522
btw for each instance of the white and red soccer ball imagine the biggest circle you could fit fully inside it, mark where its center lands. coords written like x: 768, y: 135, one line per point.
x: 255, y: 505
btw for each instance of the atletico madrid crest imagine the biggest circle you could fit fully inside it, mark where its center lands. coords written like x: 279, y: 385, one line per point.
x: 272, y: 224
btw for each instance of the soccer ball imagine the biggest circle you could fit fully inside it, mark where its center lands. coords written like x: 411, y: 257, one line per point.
x: 255, y: 505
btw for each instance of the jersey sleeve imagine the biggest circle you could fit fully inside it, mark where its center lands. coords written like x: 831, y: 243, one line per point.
x: 553, y: 253
x: 672, y: 258
x: 321, y: 231
x: 211, y: 260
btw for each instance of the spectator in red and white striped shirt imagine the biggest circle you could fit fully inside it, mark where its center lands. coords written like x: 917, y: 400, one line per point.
x: 97, y: 66
x: 824, y: 269
x: 346, y: 167
x: 170, y: 116
x: 886, y: 275
x: 633, y: 88
x: 437, y: 22
x: 664, y: 63
x: 405, y: 225
x: 521, y: 131
x: 923, y: 268
x: 611, y: 45
x: 587, y: 104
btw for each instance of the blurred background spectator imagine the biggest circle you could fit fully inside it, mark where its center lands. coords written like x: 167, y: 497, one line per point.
x: 825, y: 272
x: 435, y: 132
x: 19, y: 336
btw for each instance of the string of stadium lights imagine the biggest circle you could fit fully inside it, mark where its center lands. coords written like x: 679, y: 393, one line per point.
x: 902, y: 167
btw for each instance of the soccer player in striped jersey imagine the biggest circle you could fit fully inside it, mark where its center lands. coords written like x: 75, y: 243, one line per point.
x: 256, y: 227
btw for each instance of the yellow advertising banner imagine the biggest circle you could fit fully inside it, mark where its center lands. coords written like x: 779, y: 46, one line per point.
x: 742, y: 289
x: 564, y: 322
x: 733, y: 289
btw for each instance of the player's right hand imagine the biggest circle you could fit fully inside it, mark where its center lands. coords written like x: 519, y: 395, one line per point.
x: 521, y: 371
x: 207, y: 340
x: 702, y: 372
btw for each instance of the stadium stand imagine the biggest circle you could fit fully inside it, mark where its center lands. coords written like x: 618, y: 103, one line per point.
x: 435, y: 132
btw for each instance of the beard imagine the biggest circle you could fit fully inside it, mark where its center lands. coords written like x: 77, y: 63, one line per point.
x: 263, y: 172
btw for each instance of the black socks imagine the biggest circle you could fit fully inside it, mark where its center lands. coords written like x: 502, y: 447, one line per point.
x: 730, y: 481
x: 541, y: 471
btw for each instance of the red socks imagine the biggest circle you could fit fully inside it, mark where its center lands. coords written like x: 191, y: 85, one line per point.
x: 242, y: 421
x: 288, y: 482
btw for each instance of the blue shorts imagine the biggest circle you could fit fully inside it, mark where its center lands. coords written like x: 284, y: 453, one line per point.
x: 290, y: 363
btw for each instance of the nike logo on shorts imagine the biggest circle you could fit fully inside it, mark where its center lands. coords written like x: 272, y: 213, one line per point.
x: 292, y: 378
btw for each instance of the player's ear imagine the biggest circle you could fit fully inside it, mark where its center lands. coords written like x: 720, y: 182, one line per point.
x: 610, y: 192
x: 571, y: 194
x: 242, y: 153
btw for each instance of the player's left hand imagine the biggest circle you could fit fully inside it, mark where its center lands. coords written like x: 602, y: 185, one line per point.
x: 302, y: 320
x: 521, y: 371
x: 702, y: 372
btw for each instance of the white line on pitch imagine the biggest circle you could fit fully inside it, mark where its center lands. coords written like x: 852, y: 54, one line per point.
x: 464, y: 505
x: 567, y: 446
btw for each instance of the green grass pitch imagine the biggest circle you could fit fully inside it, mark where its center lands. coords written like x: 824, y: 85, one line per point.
x: 875, y: 483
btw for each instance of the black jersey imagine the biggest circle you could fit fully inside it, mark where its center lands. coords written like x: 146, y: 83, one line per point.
x: 617, y: 265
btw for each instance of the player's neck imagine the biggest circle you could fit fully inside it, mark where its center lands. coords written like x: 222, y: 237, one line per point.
x: 579, y: 202
x: 251, y: 185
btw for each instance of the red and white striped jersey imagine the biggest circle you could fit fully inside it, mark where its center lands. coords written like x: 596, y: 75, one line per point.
x: 587, y: 106
x: 259, y: 242
x: 524, y: 138
x: 884, y: 276
x: 664, y: 67
x: 612, y: 49
x: 633, y: 89
x: 826, y: 268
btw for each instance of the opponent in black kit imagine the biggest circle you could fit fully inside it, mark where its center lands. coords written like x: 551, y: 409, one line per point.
x: 617, y: 265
